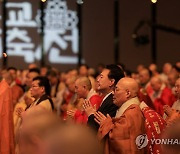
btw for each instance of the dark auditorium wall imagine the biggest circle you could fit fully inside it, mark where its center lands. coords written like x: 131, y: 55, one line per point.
x: 98, y: 32
x: 168, y: 45
x: 131, y: 12
x: 98, y: 26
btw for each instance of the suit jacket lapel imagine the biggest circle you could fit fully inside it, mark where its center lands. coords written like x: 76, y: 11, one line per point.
x: 106, y: 101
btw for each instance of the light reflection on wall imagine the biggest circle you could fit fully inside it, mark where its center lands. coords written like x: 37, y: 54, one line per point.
x: 61, y: 28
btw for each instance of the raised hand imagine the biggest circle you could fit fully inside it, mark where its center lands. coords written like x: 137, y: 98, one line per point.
x: 99, y: 117
x: 19, y: 111
x: 88, y: 108
x: 167, y: 110
x: 71, y: 113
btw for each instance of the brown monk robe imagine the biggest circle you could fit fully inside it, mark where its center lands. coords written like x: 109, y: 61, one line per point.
x: 120, y: 133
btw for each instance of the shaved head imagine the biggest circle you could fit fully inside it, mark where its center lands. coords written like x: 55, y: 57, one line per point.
x: 126, y: 89
x: 84, y: 81
x: 156, y: 79
x: 82, y: 87
x: 156, y: 83
x: 130, y: 84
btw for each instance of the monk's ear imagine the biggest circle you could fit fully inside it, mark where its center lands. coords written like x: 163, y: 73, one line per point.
x: 128, y: 93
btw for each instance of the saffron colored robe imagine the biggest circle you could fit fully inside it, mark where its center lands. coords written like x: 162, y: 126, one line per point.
x: 121, y: 132
x: 6, y: 119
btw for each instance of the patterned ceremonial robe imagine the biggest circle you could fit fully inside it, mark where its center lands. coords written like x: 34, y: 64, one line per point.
x: 154, y: 125
x: 123, y: 130
x: 6, y: 119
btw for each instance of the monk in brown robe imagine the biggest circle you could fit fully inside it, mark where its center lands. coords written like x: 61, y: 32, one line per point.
x: 120, y: 133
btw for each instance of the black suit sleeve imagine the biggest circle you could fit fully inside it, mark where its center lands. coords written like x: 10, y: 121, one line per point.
x: 91, y: 122
x: 107, y: 107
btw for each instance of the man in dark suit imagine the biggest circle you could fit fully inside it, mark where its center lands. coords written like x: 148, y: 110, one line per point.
x: 106, y: 82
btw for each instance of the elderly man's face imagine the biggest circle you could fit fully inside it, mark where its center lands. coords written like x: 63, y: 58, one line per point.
x: 156, y: 86
x: 120, y: 94
x: 80, y: 89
